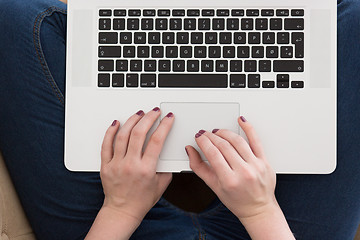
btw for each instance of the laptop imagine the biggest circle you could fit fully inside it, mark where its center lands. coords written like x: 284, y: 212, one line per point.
x: 208, y: 62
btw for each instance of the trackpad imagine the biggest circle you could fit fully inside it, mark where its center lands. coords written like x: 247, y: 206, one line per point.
x: 192, y: 117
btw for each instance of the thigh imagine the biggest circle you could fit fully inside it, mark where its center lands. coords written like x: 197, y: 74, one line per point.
x: 328, y: 206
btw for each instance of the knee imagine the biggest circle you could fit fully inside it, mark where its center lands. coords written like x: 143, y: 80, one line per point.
x: 349, y: 12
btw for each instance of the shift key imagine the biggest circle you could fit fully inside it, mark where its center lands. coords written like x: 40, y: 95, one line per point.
x: 288, y: 66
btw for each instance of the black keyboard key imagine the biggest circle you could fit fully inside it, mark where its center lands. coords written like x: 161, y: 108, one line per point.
x: 250, y: 66
x: 218, y: 24
x: 157, y: 51
x: 104, y: 24
x: 143, y: 52
x: 175, y: 24
x: 282, y: 84
x: 118, y: 80
x: 185, y: 52
x: 107, y: 51
x: 276, y: 24
x: 261, y: 24
x: 247, y: 24
x: 108, y: 38
x: 264, y: 66
x: 193, y: 66
x: 211, y: 38
x: 154, y: 38
x: 105, y: 12
x: 147, y: 24
x: 268, y: 38
x: 287, y: 52
x: 132, y: 80
x: 257, y: 52
x: 221, y: 66
x: 207, y: 65
x: 129, y: 51
x: 288, y: 66
x: 178, y: 12
x: 239, y: 37
x: 282, y: 12
x: 228, y: 52
x: 297, y: 84
x: 168, y: 38
x: 297, y: 12
x: 163, y: 12
x: 182, y: 37
x: 119, y: 24
x: 193, y: 12
x: 237, y: 80
x: 149, y: 65
x: 208, y: 12
x: 204, y: 23
x: 133, y: 24
x: 283, y: 77
x: 172, y: 52
x: 106, y: 65
x: 134, y: 12
x: 189, y: 23
x: 254, y: 38
x: 104, y: 80
x: 297, y: 38
x: 197, y: 37
x: 193, y: 80
x: 294, y: 24
x: 254, y: 80
x: 149, y: 12
x: 161, y: 24
x: 272, y: 52
x: 252, y: 12
x: 243, y: 52
x: 136, y: 65
x: 232, y: 24
x: 148, y: 80
x: 235, y: 66
x: 200, y: 52
x: 225, y: 37
x: 125, y: 37
x: 237, y: 12
x: 283, y: 38
x: 164, y: 65
x: 120, y: 12
x: 140, y: 37
x: 222, y: 12
x: 214, y: 52
x: 178, y: 66
x: 268, y: 84
x: 267, y: 12
x: 121, y: 65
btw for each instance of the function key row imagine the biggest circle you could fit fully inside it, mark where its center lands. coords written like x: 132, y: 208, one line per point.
x: 203, y: 12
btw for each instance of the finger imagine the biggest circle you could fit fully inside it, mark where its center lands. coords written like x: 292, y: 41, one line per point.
x: 138, y: 133
x: 157, y: 140
x: 213, y: 155
x: 238, y: 142
x: 122, y: 138
x: 107, y: 150
x: 202, y: 169
x: 254, y: 140
x: 227, y: 150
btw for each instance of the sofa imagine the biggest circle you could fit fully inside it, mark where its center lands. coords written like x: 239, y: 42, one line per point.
x: 13, y: 222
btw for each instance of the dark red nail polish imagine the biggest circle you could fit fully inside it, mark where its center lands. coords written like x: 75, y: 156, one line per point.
x: 202, y: 132
x: 113, y: 123
x: 243, y: 119
x: 215, y: 130
x: 156, y: 109
x: 186, y: 151
x: 169, y: 115
x: 198, y: 135
x: 140, y: 113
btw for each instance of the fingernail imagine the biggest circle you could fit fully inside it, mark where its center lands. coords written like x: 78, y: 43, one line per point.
x: 140, y: 113
x: 202, y: 132
x: 243, y: 119
x: 186, y: 151
x: 215, y: 130
x: 169, y: 115
x: 113, y: 123
x: 156, y: 109
x: 198, y: 134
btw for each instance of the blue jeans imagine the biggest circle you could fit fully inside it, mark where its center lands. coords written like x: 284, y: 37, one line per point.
x: 62, y: 204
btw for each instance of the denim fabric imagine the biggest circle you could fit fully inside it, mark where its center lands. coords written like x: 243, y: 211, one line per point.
x: 62, y: 204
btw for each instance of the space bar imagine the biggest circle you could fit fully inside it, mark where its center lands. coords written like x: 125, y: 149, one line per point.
x: 193, y: 80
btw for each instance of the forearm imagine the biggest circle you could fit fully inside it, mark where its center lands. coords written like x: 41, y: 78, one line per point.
x: 110, y: 224
x: 270, y: 225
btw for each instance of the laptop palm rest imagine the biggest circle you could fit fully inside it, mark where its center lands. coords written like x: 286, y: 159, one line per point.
x: 192, y: 117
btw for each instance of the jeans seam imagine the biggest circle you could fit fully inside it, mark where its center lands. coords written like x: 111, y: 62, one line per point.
x: 202, y: 234
x: 40, y: 54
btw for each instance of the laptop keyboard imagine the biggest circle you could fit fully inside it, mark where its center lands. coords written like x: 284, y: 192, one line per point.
x: 200, y: 48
